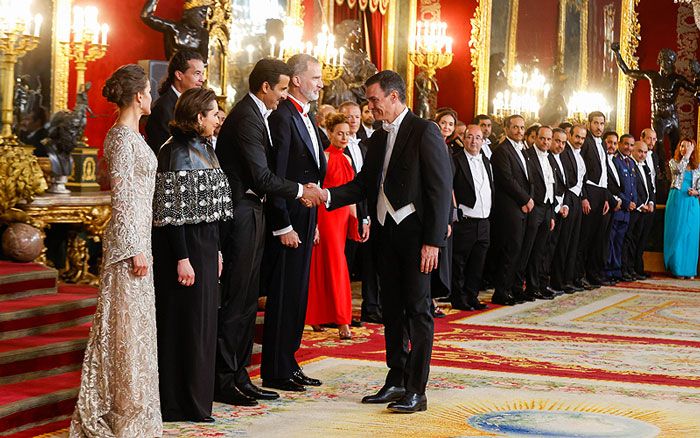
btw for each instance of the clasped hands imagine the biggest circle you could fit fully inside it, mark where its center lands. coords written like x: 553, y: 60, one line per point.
x: 313, y: 195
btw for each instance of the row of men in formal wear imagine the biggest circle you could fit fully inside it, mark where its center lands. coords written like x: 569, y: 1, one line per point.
x: 571, y: 212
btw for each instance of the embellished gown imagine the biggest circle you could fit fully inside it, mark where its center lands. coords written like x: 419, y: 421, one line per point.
x: 330, y: 295
x: 118, y: 394
x: 682, y: 229
x: 192, y: 195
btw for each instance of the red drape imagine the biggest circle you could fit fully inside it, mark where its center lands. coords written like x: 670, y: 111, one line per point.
x: 372, y: 27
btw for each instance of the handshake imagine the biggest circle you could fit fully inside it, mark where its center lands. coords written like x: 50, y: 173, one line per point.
x: 313, y: 195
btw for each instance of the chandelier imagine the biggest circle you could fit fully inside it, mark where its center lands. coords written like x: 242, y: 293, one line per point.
x: 525, y: 92
x: 582, y: 103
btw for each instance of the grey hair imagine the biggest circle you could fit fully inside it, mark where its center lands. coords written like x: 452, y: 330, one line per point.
x: 299, y: 63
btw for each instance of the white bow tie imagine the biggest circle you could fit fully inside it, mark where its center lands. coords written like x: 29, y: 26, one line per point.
x: 388, y: 127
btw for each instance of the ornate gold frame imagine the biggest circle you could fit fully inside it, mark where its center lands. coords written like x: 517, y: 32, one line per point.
x: 59, y: 60
x: 583, y: 48
x: 480, y: 43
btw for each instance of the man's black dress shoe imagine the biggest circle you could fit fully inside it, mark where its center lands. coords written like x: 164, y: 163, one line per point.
x: 374, y: 319
x: 553, y: 291
x: 477, y: 305
x: 235, y: 397
x: 607, y: 282
x: 507, y: 300
x: 524, y: 296
x: 283, y: 385
x: 409, y: 404
x: 208, y: 419
x: 641, y: 276
x: 585, y: 284
x: 302, y: 379
x: 257, y: 393
x: 465, y: 307
x: 570, y: 289
x: 627, y: 277
x: 539, y: 295
x: 355, y: 323
x: 387, y: 394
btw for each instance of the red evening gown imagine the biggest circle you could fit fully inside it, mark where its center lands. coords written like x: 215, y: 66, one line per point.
x: 330, y: 296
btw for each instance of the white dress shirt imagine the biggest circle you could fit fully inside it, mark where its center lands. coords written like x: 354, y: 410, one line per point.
x: 355, y: 152
x: 560, y: 198
x: 177, y: 93
x: 603, y: 182
x: 640, y: 168
x: 650, y: 164
x: 548, y: 174
x: 369, y: 130
x: 482, y: 189
x: 519, y: 148
x: 613, y: 168
x: 581, y: 171
x: 309, y: 127
x: 383, y: 204
x: 486, y: 148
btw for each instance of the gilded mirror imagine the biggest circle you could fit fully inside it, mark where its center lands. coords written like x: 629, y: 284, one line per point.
x: 566, y: 41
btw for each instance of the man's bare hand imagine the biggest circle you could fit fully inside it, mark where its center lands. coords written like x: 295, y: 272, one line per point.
x: 365, y: 233
x: 317, y: 237
x: 585, y: 206
x: 632, y: 206
x: 606, y: 207
x: 185, y: 272
x: 313, y: 195
x: 429, y: 258
x: 527, y: 208
x: 290, y: 239
x: 564, y: 212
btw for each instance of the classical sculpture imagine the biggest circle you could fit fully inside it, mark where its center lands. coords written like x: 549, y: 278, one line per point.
x: 65, y: 132
x: 498, y: 81
x: 189, y: 33
x: 357, y: 66
x: 426, y: 95
x: 665, y: 86
x: 26, y: 99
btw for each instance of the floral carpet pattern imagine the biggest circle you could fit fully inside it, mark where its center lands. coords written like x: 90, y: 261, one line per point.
x: 621, y: 361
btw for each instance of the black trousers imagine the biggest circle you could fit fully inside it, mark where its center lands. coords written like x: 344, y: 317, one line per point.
x: 287, y: 297
x: 593, y: 240
x: 470, y: 243
x: 550, y: 250
x: 509, y: 234
x: 530, y: 260
x: 629, y: 247
x: 370, y: 277
x: 564, y: 262
x: 405, y: 299
x: 648, y: 220
x: 242, y: 250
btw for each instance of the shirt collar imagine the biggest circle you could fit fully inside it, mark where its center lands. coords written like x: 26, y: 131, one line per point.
x: 303, y: 108
x: 471, y: 157
x: 540, y: 154
x: 397, y: 121
x: 177, y: 93
x: 518, y: 145
x: 261, y: 105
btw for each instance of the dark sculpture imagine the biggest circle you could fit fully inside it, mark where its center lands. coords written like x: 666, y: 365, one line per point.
x: 498, y: 81
x: 65, y: 133
x: 189, y: 33
x: 427, y: 90
x: 26, y: 99
x: 357, y: 66
x: 665, y: 86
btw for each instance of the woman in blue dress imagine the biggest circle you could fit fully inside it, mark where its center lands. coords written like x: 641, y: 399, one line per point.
x: 682, y: 229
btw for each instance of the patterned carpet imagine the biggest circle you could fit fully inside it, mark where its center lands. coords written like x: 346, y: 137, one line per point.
x: 615, y: 362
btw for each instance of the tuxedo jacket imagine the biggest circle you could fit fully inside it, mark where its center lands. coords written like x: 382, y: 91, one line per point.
x: 293, y: 158
x: 419, y: 172
x: 325, y: 141
x: 362, y: 210
x: 560, y: 187
x: 644, y: 195
x: 463, y: 181
x: 513, y: 188
x: 157, y: 130
x: 362, y: 132
x: 571, y: 170
x: 539, y: 187
x: 243, y: 149
x: 589, y: 153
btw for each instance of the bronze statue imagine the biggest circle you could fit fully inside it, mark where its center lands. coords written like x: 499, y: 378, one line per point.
x: 498, y: 81
x: 189, y: 33
x: 357, y: 67
x: 665, y: 86
x: 427, y: 90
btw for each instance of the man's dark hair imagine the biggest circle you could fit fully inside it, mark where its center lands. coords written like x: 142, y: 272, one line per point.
x: 535, y: 127
x: 607, y: 134
x: 178, y: 62
x: 566, y: 125
x: 595, y: 114
x: 389, y: 81
x: 480, y: 117
x: 508, y: 119
x: 539, y: 128
x: 558, y: 131
x: 363, y: 104
x: 267, y: 70
x: 625, y: 137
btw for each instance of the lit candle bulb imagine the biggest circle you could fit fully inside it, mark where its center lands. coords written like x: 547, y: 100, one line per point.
x: 105, y: 30
x: 249, y: 48
x: 272, y: 46
x: 342, y: 55
x: 38, y: 20
x: 448, y: 49
x: 78, y: 23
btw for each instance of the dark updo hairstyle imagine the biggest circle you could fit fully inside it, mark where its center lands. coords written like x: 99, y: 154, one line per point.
x: 191, y: 103
x: 125, y: 82
x: 335, y: 119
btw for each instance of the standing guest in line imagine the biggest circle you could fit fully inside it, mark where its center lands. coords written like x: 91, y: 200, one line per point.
x: 456, y: 141
x: 330, y: 295
x: 192, y: 196
x: 531, y: 135
x: 118, y: 393
x: 368, y: 123
x: 243, y: 154
x: 298, y: 157
x: 407, y: 181
x: 564, y: 262
x: 221, y: 115
x: 682, y: 221
x: 473, y: 190
x: 653, y: 166
x: 321, y: 114
x: 540, y: 221
x: 512, y: 204
x: 567, y: 127
x: 633, y: 260
x: 595, y: 206
x: 486, y: 125
x: 446, y: 120
x: 185, y: 71
x: 622, y: 186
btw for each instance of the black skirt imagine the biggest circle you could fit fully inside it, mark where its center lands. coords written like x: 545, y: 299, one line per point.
x: 186, y: 319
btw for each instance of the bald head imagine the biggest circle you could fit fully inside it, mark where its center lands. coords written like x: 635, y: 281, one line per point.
x: 639, y: 151
x: 473, y: 140
x: 322, y: 112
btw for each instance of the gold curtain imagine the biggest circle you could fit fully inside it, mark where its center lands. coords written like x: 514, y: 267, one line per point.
x: 373, y: 5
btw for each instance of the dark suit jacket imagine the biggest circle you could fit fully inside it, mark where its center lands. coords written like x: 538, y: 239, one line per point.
x: 362, y: 210
x: 589, y: 153
x: 513, y: 188
x: 644, y: 196
x: 626, y: 190
x: 418, y: 172
x: 560, y: 187
x: 157, y: 130
x: 325, y: 141
x: 539, y: 188
x: 243, y: 148
x: 571, y: 169
x: 293, y: 158
x: 362, y: 132
x: 463, y: 181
